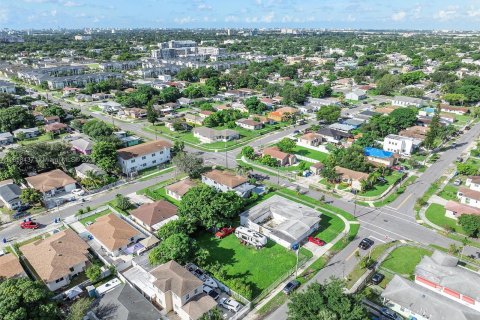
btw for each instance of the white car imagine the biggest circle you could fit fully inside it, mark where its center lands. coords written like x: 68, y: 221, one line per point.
x: 78, y: 192
x: 230, y: 304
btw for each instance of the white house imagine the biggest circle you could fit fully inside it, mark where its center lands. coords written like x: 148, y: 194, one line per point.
x: 469, y: 196
x: 143, y: 156
x: 209, y: 135
x: 6, y: 138
x: 249, y: 124
x: 226, y: 181
x: 356, y: 94
x: 10, y: 195
x: 403, y: 101
x: 473, y: 183
x: 7, y: 87
x: 29, y: 133
x: 52, y: 182
x: 398, y: 144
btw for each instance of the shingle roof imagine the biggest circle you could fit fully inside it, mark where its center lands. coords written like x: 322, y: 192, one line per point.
x: 10, y: 266
x: 226, y: 178
x: 50, y: 180
x: 173, y: 277
x: 181, y: 187
x: 351, y: 174
x: 142, y: 149
x: 153, y: 213
x: 10, y: 191
x: 53, y: 257
x: 275, y: 153
x: 199, y: 305
x: 112, y: 231
x: 468, y: 193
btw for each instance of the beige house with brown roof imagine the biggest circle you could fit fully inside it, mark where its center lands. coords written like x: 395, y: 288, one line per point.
x: 353, y: 178
x: 282, y: 158
x: 152, y: 216
x: 143, y: 156
x: 178, y: 189
x: 58, y: 258
x: 10, y: 267
x: 114, y: 234
x: 178, y: 290
x: 227, y: 181
x: 312, y: 139
x: 52, y: 182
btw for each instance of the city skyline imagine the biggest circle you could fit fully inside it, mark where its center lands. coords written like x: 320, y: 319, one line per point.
x: 343, y: 14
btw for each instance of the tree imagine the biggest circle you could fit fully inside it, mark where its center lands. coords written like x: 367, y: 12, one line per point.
x: 403, y: 117
x: 321, y: 91
x: 79, y: 309
x: 94, y: 273
x: 105, y: 155
x: 326, y: 301
x: 14, y: 118
x: 178, y: 247
x: 286, y: 145
x: 24, y: 299
x: 97, y: 128
x: 170, y: 228
x: 151, y: 115
x: 433, y: 131
x: 454, y: 98
x: 269, y: 161
x: 248, y: 152
x: 122, y: 202
x: 293, y: 95
x: 178, y: 146
x: 329, y: 114
x: 214, y: 314
x: 470, y: 224
x: 254, y: 105
x: 30, y: 195
x: 205, y: 206
x: 51, y: 111
x: 188, y: 163
x: 388, y: 84
x: 329, y: 173
x: 6, y: 100
x: 467, y: 169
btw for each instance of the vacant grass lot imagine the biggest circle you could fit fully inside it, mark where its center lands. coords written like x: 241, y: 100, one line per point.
x: 94, y: 217
x: 436, y: 214
x: 403, y: 260
x: 257, y: 268
x: 378, y: 189
x: 310, y: 153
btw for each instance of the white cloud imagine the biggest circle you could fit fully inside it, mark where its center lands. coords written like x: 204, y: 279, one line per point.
x: 251, y: 19
x: 53, y: 13
x: 447, y: 14
x: 231, y: 19
x: 72, y: 4
x: 268, y: 18
x: 185, y: 20
x: 204, y: 6
x: 399, y: 16
x: 3, y: 15
x: 473, y: 12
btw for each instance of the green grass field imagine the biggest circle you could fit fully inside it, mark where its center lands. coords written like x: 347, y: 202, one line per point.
x: 436, y: 214
x: 94, y: 217
x: 258, y: 268
x: 449, y: 192
x: 403, y: 260
x: 378, y: 189
x: 160, y: 194
x: 330, y: 227
x: 310, y: 153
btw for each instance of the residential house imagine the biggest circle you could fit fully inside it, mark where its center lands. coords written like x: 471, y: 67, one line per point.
x: 135, y: 113
x: 355, y: 123
x: 307, y: 109
x: 249, y: 124
x: 83, y: 170
x: 82, y: 146
x: 386, y: 110
x: 6, y: 138
x: 38, y: 103
x: 152, y: 216
x: 38, y: 116
x: 311, y: 139
x: 240, y: 107
x: 415, y: 132
x: 379, y: 157
x: 351, y: 177
x: 10, y: 195
x: 356, y: 95
x: 52, y: 182
x: 399, y: 144
x: 114, y: 234
x: 227, y: 181
x: 52, y: 119
x: 473, y: 182
x: 56, y: 128
x: 317, y: 168
x: 127, y: 141
x: 469, y: 197
x: 10, y: 267
x: 366, y: 115
x: 282, y: 158
x: 455, y: 110
x: 281, y: 114
x: 205, y: 113
x: 178, y: 189
x: 209, y: 135
x: 403, y: 101
x: 143, y: 156
x: 58, y: 258
x: 341, y: 127
x: 268, y: 102
x: 454, y: 209
x: 333, y: 136
x: 194, y: 119
x: 184, y: 101
x: 7, y: 87
x: 29, y: 133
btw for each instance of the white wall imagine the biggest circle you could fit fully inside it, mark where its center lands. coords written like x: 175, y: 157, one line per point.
x: 144, y: 162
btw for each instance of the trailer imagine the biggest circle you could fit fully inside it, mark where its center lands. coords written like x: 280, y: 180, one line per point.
x: 250, y: 237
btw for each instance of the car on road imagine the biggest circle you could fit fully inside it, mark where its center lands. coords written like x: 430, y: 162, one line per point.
x: 230, y: 304
x: 366, y: 243
x: 29, y: 225
x: 317, y: 241
x: 78, y: 192
x: 457, y: 182
x: 211, y: 292
x: 291, y: 286
x: 223, y: 232
x: 377, y: 278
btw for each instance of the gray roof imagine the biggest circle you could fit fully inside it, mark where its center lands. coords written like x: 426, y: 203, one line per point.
x: 442, y: 269
x: 9, y: 192
x: 85, y: 167
x: 213, y: 133
x: 125, y: 303
x: 286, y: 219
x: 4, y: 83
x: 423, y: 301
x: 34, y: 129
x: 82, y: 144
x: 5, y: 135
x: 408, y: 99
x: 341, y: 127
x: 353, y: 122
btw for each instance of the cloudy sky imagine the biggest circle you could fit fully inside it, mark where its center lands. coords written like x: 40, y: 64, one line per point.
x: 371, y: 14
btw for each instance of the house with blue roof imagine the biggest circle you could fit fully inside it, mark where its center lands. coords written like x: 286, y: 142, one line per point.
x: 379, y: 157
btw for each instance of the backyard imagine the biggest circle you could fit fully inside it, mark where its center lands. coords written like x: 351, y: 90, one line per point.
x: 244, y: 264
x: 436, y: 214
x: 310, y: 153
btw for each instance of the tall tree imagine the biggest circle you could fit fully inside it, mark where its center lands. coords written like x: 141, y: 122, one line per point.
x: 188, y: 163
x: 105, y: 156
x: 329, y: 114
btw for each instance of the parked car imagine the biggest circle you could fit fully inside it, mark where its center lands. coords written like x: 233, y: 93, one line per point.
x: 377, y: 278
x: 457, y: 182
x: 230, y: 304
x: 317, y: 241
x: 29, y: 225
x: 78, y: 192
x: 291, y: 286
x: 223, y: 232
x: 20, y: 214
x: 366, y: 243
x: 390, y: 314
x: 211, y: 292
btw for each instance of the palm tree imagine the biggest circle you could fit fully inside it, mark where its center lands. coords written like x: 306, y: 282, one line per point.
x: 243, y: 170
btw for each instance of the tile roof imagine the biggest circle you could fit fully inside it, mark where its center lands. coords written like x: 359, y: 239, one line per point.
x: 469, y: 193
x: 275, y: 153
x: 173, y: 277
x: 153, y: 213
x: 50, y: 180
x: 199, y: 305
x: 10, y: 266
x: 142, y: 149
x: 351, y: 174
x: 53, y: 257
x: 226, y: 178
x: 181, y: 187
x: 460, y: 208
x: 112, y: 231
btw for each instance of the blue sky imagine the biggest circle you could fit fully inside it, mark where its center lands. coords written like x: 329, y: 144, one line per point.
x: 371, y: 14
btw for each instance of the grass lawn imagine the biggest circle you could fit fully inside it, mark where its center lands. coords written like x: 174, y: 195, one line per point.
x: 378, y: 189
x: 330, y: 227
x: 310, y: 153
x: 41, y: 138
x: 403, y: 260
x: 449, y: 192
x: 274, y: 303
x: 436, y: 214
x: 95, y: 109
x: 160, y: 194
x: 258, y: 268
x: 95, y: 216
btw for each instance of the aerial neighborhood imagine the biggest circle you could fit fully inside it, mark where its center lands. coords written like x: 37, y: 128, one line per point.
x: 230, y: 173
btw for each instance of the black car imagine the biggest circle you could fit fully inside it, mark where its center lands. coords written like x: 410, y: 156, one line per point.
x: 366, y: 243
x: 214, y: 294
x: 377, y: 278
x: 390, y: 314
x: 291, y: 286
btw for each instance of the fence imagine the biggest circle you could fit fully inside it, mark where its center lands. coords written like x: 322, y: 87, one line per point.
x: 79, y: 217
